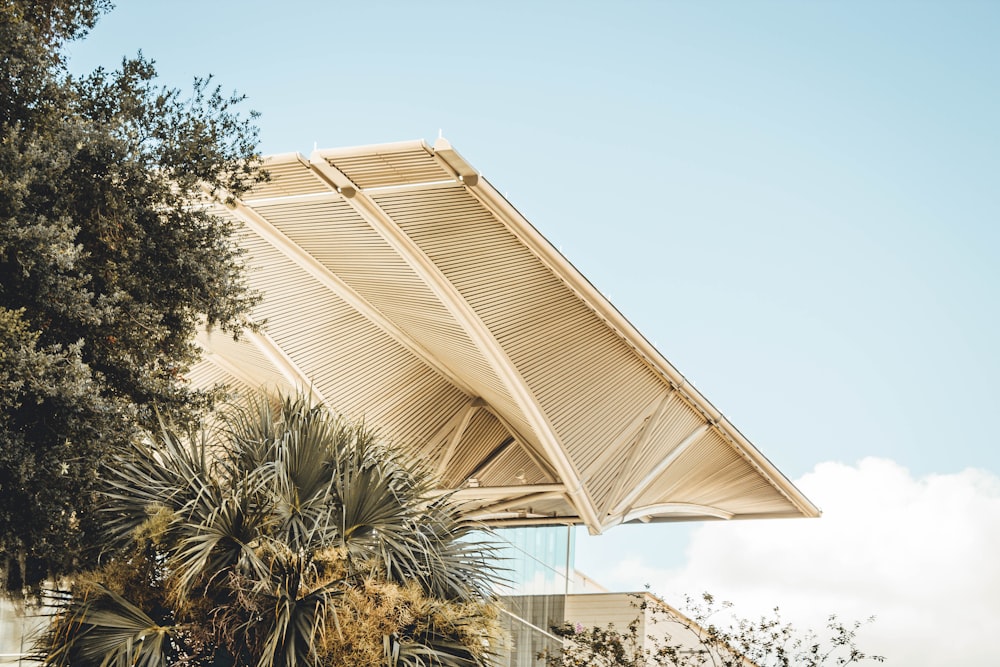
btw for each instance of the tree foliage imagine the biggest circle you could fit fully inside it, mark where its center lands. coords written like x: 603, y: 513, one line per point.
x: 107, y: 265
x: 700, y: 638
x: 291, y: 538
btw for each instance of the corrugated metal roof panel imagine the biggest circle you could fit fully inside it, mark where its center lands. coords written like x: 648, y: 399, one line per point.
x: 419, y: 297
x: 714, y: 474
x: 288, y: 177
x: 567, y: 355
x: 391, y: 167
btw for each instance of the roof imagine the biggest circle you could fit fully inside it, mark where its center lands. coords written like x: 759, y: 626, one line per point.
x: 400, y: 286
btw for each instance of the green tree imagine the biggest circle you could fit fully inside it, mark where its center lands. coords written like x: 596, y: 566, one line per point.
x: 107, y: 265
x: 701, y: 638
x: 290, y: 538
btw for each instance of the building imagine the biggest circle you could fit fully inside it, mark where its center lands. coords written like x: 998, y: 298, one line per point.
x: 656, y: 623
x: 548, y: 591
x: 399, y: 285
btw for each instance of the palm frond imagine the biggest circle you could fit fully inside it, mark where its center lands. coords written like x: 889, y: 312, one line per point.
x: 159, y: 472
x: 440, y: 653
x: 103, y: 629
x: 291, y: 620
x: 451, y: 557
x: 252, y: 535
x: 226, y: 539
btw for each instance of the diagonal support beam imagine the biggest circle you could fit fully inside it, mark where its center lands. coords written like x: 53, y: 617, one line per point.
x: 491, y: 457
x: 288, y: 368
x: 542, y: 464
x: 271, y: 351
x: 615, y: 516
x: 642, y: 437
x: 464, y: 418
x: 478, y: 332
x: 614, y: 449
x: 316, y: 270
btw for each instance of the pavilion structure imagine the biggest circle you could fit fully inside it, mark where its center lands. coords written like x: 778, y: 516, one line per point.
x: 401, y: 287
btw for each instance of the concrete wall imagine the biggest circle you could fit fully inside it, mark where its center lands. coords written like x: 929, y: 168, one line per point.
x: 655, y: 628
x: 17, y: 628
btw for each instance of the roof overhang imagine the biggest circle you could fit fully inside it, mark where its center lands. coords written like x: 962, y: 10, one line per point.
x: 400, y: 286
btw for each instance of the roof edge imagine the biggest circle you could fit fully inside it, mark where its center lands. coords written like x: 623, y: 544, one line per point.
x: 560, y: 265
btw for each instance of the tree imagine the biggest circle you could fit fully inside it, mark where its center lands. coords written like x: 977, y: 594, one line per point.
x: 291, y: 538
x: 699, y: 639
x: 108, y: 262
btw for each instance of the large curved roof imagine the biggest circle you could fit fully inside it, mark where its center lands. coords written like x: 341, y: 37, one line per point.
x: 400, y: 286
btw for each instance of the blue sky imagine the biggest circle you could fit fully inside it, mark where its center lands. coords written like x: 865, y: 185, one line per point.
x: 797, y: 202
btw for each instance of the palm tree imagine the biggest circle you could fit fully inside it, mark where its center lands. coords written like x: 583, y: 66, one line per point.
x: 287, y: 537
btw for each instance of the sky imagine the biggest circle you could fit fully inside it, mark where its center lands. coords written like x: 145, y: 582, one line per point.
x: 796, y: 202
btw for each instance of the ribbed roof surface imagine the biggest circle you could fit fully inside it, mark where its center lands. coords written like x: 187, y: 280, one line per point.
x: 400, y: 286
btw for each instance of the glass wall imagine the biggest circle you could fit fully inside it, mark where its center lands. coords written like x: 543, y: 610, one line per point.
x: 538, y: 563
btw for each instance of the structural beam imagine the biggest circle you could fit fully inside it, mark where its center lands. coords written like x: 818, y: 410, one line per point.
x: 316, y: 270
x: 522, y: 501
x: 481, y: 336
x: 288, y: 368
x: 642, y: 436
x: 625, y: 504
x: 499, y: 492
x: 457, y: 422
x: 234, y: 370
x: 614, y: 449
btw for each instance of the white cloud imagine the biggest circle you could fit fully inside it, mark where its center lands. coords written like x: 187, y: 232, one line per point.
x: 923, y: 555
